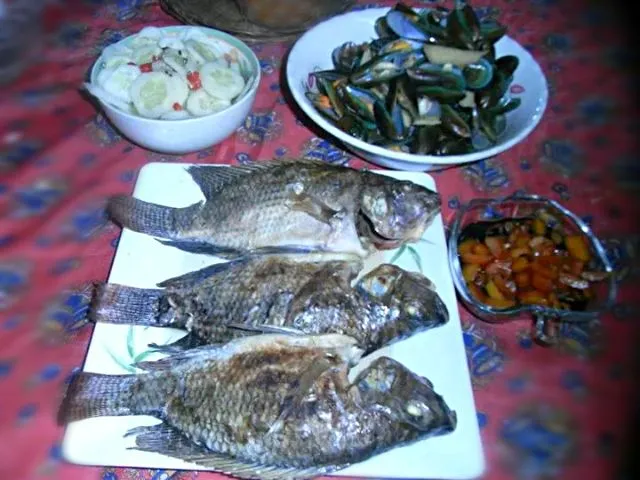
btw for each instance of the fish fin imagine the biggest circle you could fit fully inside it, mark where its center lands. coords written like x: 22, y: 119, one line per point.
x: 95, y: 395
x: 192, y: 279
x: 114, y: 303
x: 334, y: 344
x: 266, y: 329
x: 236, y: 254
x: 169, y: 441
x: 189, y: 341
x: 180, y: 356
x: 194, y: 246
x: 150, y: 218
x: 211, y: 179
x: 296, y: 397
x: 314, y: 207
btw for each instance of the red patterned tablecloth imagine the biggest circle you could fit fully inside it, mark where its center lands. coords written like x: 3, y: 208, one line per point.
x: 562, y: 412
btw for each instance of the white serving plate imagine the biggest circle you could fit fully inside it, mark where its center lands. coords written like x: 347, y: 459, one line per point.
x: 438, y: 354
x: 312, y: 52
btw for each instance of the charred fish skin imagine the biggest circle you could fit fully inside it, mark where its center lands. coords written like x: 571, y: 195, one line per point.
x: 267, y: 294
x: 286, y: 206
x: 278, y: 403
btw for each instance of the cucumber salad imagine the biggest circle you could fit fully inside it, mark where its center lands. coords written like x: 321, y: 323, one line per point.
x: 170, y: 77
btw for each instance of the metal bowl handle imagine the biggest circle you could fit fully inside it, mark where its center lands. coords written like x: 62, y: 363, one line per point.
x: 543, y: 332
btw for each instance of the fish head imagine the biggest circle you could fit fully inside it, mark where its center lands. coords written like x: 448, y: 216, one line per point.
x: 412, y: 301
x: 408, y: 400
x: 394, y: 212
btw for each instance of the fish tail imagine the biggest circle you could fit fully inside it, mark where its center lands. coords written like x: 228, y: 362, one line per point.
x: 96, y: 395
x: 113, y: 303
x: 143, y: 217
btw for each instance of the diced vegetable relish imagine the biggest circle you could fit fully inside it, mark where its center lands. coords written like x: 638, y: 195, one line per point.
x: 527, y: 261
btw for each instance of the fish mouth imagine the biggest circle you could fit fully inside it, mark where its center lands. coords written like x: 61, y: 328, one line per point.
x: 365, y: 228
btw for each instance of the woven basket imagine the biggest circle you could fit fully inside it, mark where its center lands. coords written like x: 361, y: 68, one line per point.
x: 256, y: 20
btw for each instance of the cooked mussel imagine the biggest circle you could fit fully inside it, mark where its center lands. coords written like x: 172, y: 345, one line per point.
x: 347, y: 57
x: 478, y: 75
x: 430, y: 84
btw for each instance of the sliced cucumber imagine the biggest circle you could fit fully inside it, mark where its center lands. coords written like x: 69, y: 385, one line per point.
x: 146, y: 37
x: 103, y: 76
x: 176, y: 64
x: 152, y: 94
x: 200, y: 103
x: 208, y: 51
x: 114, y: 61
x: 111, y: 50
x: 145, y: 54
x: 194, y: 55
x: 179, y: 91
x: 119, y: 81
x: 218, y: 81
x: 106, y: 97
x: 171, y: 42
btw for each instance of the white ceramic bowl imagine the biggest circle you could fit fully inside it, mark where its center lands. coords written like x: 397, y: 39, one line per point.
x: 191, y: 134
x: 312, y: 52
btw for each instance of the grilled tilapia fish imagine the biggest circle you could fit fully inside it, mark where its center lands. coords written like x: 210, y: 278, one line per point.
x: 269, y: 407
x: 286, y: 206
x: 276, y: 294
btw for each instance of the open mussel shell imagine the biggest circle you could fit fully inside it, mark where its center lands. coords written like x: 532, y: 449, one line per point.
x: 322, y: 103
x: 329, y: 75
x: 505, y: 105
x: 458, y: 34
x: 478, y: 75
x: 453, y: 122
x: 454, y: 146
x: 356, y: 127
x: 379, y: 72
x: 492, y: 31
x: 400, y: 45
x: 383, y: 30
x: 390, y: 122
x: 411, y: 26
x: 358, y: 100
x: 328, y: 88
x: 447, y: 76
x: 492, y: 94
x: 386, y: 67
x: 507, y: 65
x: 348, y: 56
x: 486, y: 122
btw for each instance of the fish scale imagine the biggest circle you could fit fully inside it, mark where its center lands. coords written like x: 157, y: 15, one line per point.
x: 280, y: 294
x: 284, y: 205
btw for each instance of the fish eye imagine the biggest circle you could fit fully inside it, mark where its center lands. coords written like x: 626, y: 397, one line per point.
x: 379, y: 207
x: 415, y: 408
x: 412, y: 310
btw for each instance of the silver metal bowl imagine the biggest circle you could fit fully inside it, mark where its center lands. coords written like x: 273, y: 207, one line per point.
x: 518, y: 206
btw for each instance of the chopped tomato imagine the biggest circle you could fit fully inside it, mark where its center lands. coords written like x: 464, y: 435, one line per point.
x: 194, y: 80
x: 529, y: 262
x: 494, y: 244
x: 177, y: 107
x: 577, y: 247
x: 146, y: 67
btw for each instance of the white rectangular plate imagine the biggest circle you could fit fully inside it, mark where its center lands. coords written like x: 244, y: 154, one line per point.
x: 438, y: 354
